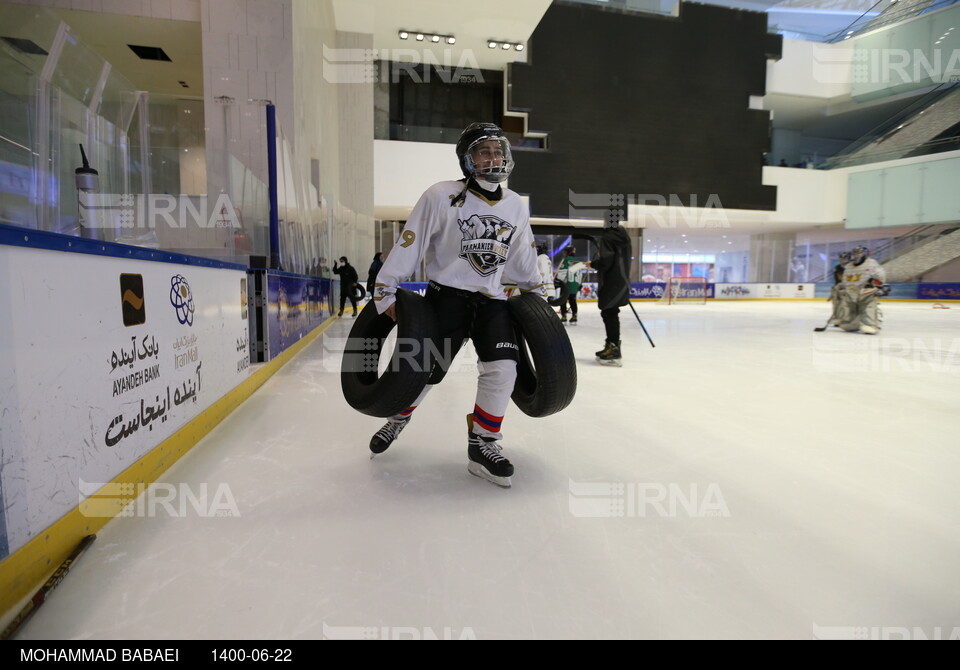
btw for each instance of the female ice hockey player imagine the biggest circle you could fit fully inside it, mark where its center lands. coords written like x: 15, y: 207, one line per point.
x: 474, y: 235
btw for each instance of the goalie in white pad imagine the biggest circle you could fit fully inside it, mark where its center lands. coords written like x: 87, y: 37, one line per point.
x: 839, y: 314
x: 863, y: 284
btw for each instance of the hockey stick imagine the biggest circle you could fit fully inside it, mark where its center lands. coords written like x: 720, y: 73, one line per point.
x: 641, y: 324
x: 41, y: 595
x: 820, y: 330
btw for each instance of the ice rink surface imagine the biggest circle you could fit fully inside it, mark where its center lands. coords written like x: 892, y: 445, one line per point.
x: 746, y: 478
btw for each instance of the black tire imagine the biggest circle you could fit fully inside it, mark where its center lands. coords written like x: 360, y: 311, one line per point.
x: 562, y: 297
x: 547, y: 383
x: 358, y: 292
x: 409, y: 368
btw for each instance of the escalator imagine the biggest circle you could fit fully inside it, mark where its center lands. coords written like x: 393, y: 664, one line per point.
x: 891, y: 12
x: 925, y: 257
x: 928, y: 125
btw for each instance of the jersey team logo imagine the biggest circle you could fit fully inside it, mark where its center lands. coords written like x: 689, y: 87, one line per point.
x: 486, y: 242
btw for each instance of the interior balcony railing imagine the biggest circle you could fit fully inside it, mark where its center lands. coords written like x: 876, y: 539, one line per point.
x: 890, y: 12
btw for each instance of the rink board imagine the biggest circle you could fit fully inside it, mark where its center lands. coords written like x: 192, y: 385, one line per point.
x: 103, y: 358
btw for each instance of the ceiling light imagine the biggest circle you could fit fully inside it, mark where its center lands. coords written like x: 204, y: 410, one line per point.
x: 435, y: 38
x: 492, y: 45
x: 451, y: 40
x: 404, y: 34
x: 419, y: 37
x: 519, y: 47
x: 505, y: 46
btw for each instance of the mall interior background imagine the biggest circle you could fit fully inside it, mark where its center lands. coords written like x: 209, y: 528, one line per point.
x: 185, y: 116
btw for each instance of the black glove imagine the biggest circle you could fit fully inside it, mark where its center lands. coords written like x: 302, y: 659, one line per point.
x: 884, y: 290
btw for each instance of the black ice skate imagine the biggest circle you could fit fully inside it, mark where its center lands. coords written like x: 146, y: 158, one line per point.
x: 573, y: 319
x: 610, y: 355
x: 486, y: 461
x: 384, y: 437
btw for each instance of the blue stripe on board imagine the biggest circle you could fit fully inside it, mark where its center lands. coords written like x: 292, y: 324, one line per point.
x: 40, y: 239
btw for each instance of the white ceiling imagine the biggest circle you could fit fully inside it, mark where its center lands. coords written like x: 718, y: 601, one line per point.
x: 472, y: 23
x: 109, y: 34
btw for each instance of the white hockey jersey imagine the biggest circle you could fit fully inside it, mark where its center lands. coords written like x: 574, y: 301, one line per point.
x: 570, y: 272
x: 855, y: 276
x: 545, y: 265
x: 476, y: 246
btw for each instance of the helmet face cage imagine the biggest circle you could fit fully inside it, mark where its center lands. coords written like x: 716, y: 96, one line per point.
x: 493, y: 162
x: 845, y: 257
x: 858, y: 254
x: 469, y: 151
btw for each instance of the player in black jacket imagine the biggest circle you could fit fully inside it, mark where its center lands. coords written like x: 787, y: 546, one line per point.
x: 612, y: 263
x: 348, y: 279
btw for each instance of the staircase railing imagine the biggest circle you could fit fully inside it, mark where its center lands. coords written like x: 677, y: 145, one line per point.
x: 895, y: 247
x: 892, y: 14
x: 849, y: 156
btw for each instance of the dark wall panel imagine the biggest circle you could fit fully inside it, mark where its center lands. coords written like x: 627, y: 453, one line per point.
x: 641, y: 104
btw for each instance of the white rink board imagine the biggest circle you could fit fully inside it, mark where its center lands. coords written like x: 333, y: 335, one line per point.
x: 82, y: 395
x: 746, y: 291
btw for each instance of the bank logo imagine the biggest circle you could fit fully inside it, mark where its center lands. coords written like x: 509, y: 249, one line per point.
x: 132, y: 303
x: 486, y: 242
x: 181, y: 297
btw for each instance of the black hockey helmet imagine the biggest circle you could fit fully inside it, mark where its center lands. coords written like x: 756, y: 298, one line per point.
x: 859, y: 254
x: 475, y: 134
x: 845, y: 257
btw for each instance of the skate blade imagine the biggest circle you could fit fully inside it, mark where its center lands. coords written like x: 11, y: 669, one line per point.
x: 613, y: 364
x: 478, y: 470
